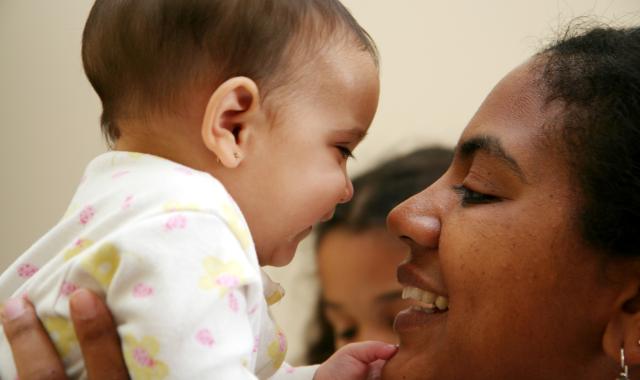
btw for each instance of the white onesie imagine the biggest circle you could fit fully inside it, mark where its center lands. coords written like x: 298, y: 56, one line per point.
x: 170, y: 251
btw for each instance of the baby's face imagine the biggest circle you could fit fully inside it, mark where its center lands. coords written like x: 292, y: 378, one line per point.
x: 297, y: 166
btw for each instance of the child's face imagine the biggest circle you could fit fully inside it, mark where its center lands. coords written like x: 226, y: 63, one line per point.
x: 295, y: 173
x: 361, y: 295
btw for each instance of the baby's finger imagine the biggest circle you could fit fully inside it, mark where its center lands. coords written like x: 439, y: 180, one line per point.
x: 29, y: 340
x: 97, y: 336
x: 370, y: 351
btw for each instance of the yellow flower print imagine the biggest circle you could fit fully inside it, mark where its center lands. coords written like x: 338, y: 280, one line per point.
x: 103, y: 263
x: 277, y: 349
x: 239, y: 229
x: 140, y: 358
x: 79, y: 246
x: 180, y: 206
x: 221, y: 274
x: 62, y: 334
x: 274, y: 297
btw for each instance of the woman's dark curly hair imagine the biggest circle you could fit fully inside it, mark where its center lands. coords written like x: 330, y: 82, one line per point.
x: 376, y: 192
x: 595, y: 76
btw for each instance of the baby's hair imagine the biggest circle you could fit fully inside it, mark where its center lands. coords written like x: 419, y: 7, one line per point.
x: 595, y: 75
x: 376, y: 193
x: 143, y: 56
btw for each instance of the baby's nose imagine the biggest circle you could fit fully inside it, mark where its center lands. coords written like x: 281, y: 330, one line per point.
x: 348, y: 192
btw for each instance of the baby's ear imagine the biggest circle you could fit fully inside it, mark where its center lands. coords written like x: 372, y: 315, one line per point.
x: 231, y: 115
x: 623, y: 328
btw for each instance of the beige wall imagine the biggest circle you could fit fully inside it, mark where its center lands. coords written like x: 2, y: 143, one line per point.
x: 439, y: 59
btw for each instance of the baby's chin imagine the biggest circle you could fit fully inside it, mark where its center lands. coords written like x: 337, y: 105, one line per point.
x: 282, y: 254
x: 278, y: 256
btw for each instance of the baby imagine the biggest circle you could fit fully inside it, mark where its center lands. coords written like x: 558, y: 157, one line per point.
x: 231, y: 123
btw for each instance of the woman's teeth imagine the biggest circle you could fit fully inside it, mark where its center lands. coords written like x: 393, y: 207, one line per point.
x: 429, y: 302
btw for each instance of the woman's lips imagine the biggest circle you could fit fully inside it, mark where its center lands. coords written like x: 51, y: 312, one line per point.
x: 409, y: 275
x: 430, y: 306
x: 416, y: 317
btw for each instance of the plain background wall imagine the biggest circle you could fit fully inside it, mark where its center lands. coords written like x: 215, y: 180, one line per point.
x: 439, y: 60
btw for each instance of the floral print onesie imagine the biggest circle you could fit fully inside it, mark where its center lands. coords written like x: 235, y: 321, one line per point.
x: 171, y: 253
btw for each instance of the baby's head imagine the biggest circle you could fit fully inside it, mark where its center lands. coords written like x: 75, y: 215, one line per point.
x: 269, y: 96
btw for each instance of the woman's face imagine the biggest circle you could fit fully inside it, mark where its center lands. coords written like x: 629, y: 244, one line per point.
x: 496, y: 236
x: 361, y: 295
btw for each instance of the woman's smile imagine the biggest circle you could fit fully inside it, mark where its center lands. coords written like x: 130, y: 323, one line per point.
x: 431, y: 305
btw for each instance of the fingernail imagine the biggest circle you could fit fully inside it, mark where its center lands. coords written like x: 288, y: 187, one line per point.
x: 13, y: 309
x: 83, y: 304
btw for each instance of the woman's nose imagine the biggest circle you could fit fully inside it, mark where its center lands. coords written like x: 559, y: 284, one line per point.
x: 416, y: 220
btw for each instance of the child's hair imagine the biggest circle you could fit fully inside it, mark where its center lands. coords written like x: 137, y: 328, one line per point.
x: 151, y: 55
x: 376, y: 193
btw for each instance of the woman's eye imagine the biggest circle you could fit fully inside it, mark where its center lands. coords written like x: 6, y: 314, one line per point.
x: 470, y: 197
x: 348, y: 333
x: 345, y: 152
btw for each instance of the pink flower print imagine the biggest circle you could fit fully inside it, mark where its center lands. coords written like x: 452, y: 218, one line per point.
x: 142, y: 291
x: 289, y: 369
x: 119, y: 174
x: 127, y: 202
x: 233, y: 302
x: 27, y: 270
x: 67, y: 288
x: 253, y: 309
x: 143, y: 358
x: 256, y: 344
x: 205, y: 338
x: 86, y: 215
x: 176, y: 222
x: 227, y: 280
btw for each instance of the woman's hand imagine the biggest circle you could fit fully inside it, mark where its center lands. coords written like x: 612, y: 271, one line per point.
x: 94, y: 329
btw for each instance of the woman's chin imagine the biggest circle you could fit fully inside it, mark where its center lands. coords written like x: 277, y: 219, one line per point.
x: 409, y: 365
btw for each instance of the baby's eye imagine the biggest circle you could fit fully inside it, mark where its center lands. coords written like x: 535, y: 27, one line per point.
x: 345, y: 152
x: 470, y: 197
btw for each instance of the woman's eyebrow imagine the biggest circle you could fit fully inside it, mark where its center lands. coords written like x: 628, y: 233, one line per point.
x: 492, y: 146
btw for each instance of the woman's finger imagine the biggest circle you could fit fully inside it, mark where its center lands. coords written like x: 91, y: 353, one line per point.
x: 97, y: 336
x: 29, y: 340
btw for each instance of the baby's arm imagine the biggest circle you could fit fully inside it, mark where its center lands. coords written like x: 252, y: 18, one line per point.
x: 355, y: 361
x: 178, y: 295
x: 94, y: 328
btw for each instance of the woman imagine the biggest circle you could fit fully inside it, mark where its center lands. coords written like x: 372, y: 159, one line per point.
x: 357, y: 257
x: 530, y: 238
x: 532, y: 234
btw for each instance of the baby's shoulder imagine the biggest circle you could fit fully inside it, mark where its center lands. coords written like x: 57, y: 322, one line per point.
x: 179, y: 188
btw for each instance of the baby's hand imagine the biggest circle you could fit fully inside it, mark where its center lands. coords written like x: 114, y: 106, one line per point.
x: 356, y: 361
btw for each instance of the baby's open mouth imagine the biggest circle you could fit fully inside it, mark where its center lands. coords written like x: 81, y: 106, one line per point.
x: 427, y: 301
